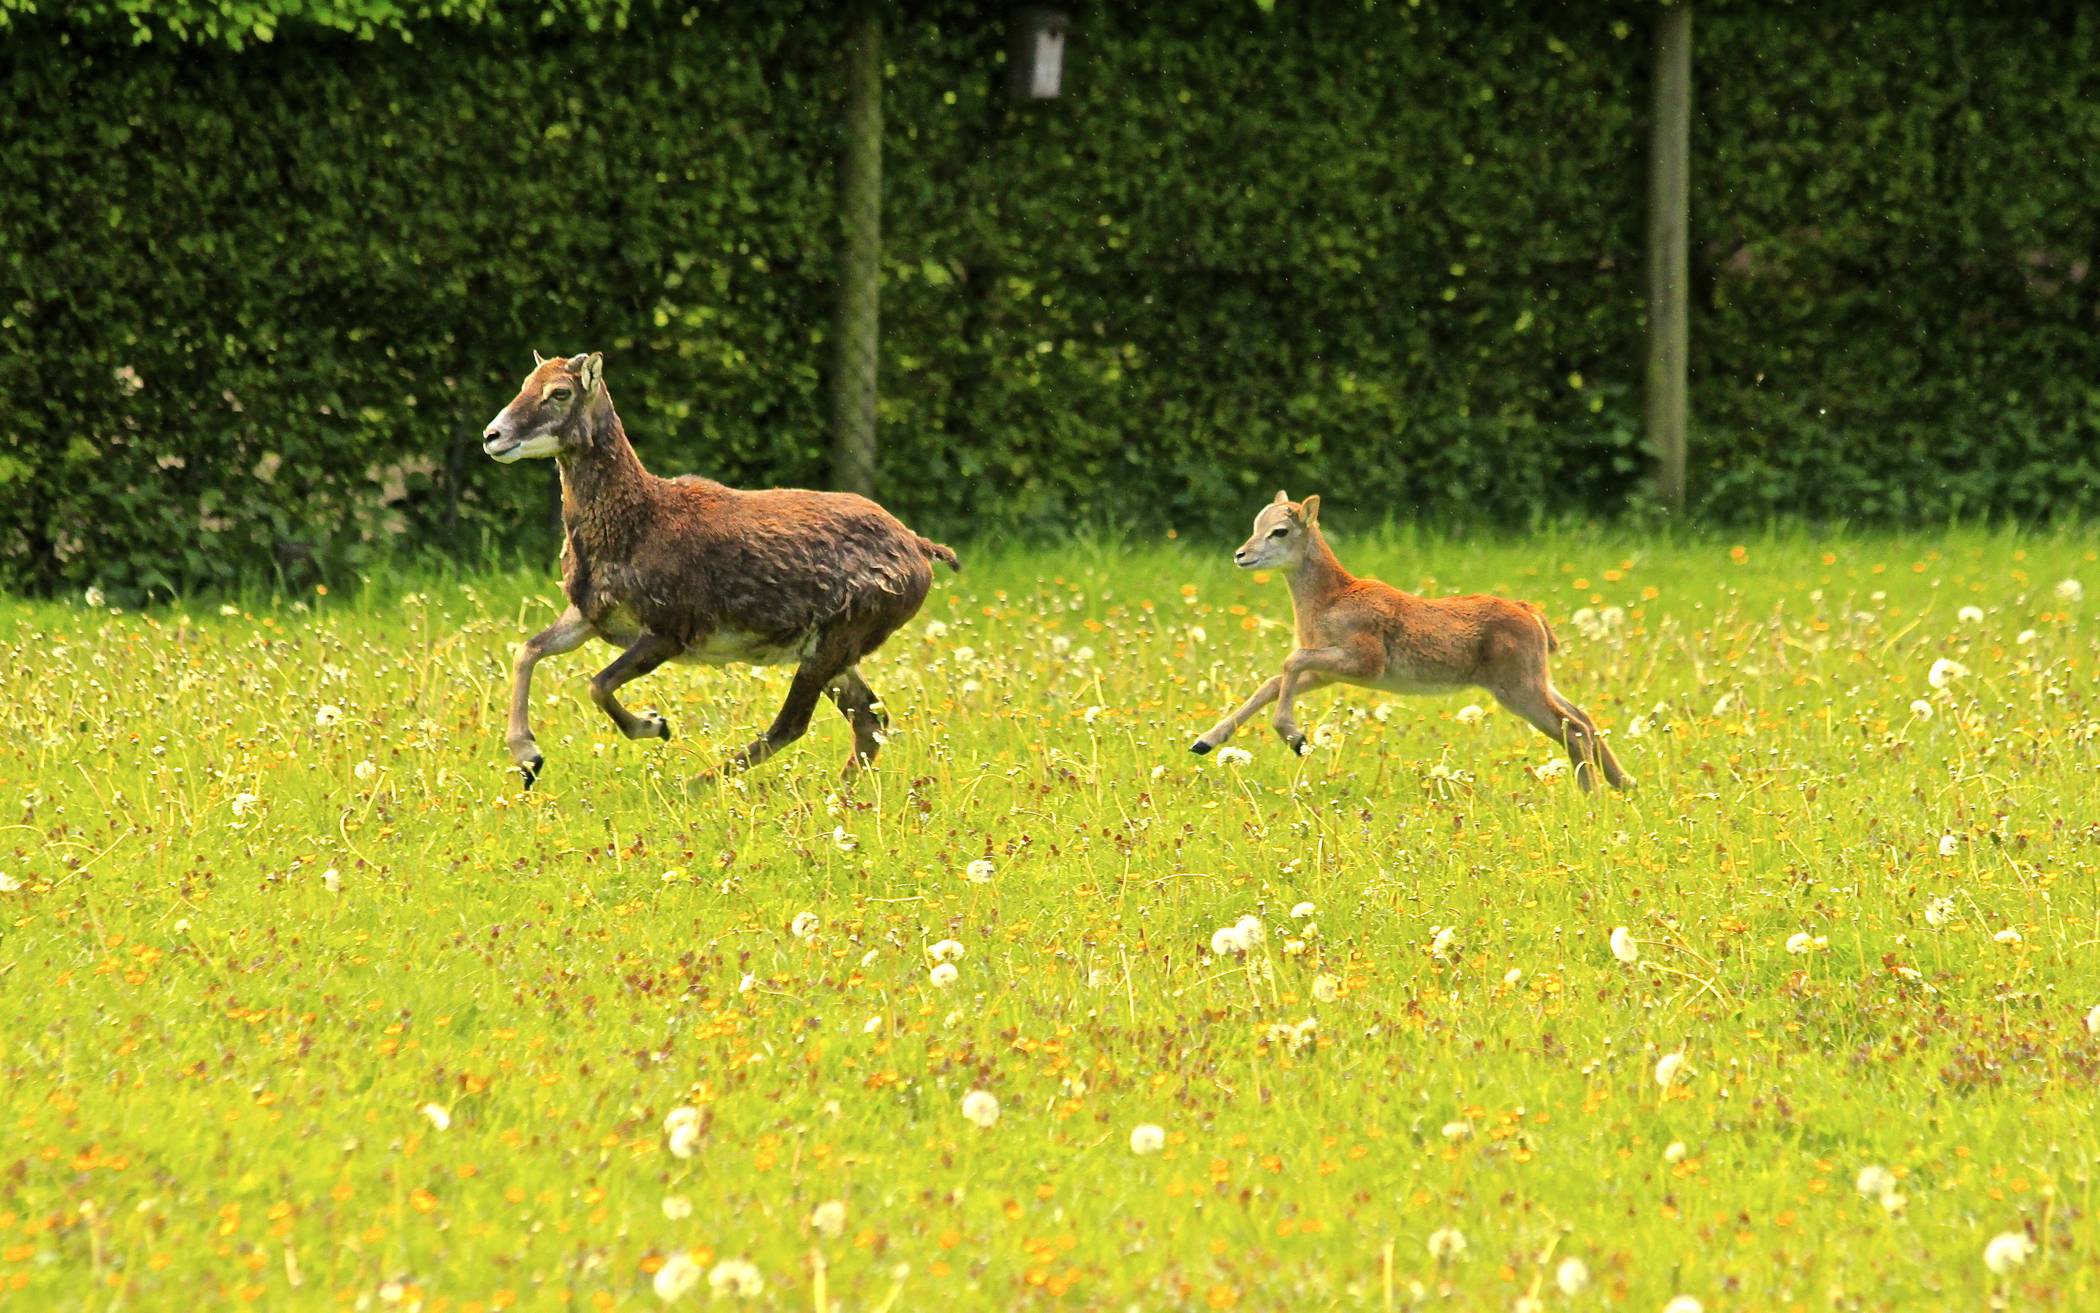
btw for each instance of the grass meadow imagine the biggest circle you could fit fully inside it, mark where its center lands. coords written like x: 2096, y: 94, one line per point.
x: 306, y: 1005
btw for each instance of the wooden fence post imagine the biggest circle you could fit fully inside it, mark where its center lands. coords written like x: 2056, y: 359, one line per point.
x: 1669, y: 217
x: 855, y: 366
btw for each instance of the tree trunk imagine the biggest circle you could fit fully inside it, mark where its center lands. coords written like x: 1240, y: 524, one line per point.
x: 853, y: 380
x: 1669, y: 211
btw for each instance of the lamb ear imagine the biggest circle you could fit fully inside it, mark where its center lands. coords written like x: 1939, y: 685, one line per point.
x: 1311, y: 509
x: 1282, y: 498
x: 592, y: 373
x: 538, y: 360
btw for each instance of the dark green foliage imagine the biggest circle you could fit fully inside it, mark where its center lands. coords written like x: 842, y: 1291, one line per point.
x: 1382, y: 252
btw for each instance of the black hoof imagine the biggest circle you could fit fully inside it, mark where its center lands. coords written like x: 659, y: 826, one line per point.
x: 1200, y: 748
x: 1298, y: 744
x: 663, y: 729
x: 531, y: 771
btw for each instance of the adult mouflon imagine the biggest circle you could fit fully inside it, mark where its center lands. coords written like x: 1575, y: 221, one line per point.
x: 686, y: 569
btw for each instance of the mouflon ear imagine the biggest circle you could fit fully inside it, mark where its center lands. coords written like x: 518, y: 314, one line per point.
x: 1282, y: 498
x: 591, y: 373
x: 1311, y: 509
x: 538, y: 360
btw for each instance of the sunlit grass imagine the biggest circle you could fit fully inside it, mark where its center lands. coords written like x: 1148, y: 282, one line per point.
x: 305, y: 1005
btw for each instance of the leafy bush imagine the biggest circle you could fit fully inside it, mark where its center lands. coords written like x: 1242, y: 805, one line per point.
x: 260, y: 303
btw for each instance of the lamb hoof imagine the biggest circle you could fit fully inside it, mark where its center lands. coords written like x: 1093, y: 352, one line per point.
x: 1298, y: 744
x: 530, y: 769
x: 1200, y: 748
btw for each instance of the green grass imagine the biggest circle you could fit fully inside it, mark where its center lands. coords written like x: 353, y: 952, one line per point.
x: 216, y: 1064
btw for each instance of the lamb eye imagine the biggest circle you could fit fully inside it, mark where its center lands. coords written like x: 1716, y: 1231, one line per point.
x: 561, y: 394
x: 1278, y: 532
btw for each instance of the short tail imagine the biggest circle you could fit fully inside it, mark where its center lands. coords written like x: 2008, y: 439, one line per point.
x: 940, y: 552
x: 1552, y: 642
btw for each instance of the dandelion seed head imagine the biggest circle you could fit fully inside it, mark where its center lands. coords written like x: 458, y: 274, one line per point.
x: 828, y: 1219
x: 1668, y: 1068
x: 980, y: 1108
x: 1146, y: 1138
x: 2006, y: 1252
x: 736, y: 1278
x: 1623, y: 945
x: 676, y: 1278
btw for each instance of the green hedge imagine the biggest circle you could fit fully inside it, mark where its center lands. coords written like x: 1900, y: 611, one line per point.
x: 258, y: 304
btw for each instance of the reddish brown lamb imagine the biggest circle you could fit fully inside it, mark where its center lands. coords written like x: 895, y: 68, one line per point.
x: 689, y: 570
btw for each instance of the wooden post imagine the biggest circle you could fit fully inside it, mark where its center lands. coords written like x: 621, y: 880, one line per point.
x: 853, y: 380
x: 1669, y: 218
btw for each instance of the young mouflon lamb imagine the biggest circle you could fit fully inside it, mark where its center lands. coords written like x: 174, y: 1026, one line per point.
x: 1363, y: 632
x: 686, y: 569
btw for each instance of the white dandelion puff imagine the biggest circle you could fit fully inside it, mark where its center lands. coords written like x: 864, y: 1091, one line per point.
x: 804, y: 926
x: 1470, y: 714
x: 942, y: 975
x: 2070, y: 592
x: 1572, y: 1276
x: 1446, y: 1244
x: 1230, y: 756
x: 736, y: 1278
x: 828, y: 1219
x: 438, y: 1115
x: 979, y: 871
x: 1945, y: 671
x: 1624, y: 946
x: 947, y: 950
x: 2006, y: 1251
x: 1875, y: 1181
x: 1667, y: 1069
x: 1146, y: 1138
x: 981, y: 1108
x: 676, y: 1278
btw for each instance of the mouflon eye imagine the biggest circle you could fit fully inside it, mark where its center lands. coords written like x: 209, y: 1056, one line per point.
x: 561, y: 394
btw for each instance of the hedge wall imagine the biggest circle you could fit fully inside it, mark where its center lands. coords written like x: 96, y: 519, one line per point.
x: 257, y: 305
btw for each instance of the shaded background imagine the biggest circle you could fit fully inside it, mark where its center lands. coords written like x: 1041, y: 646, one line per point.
x: 256, y: 304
